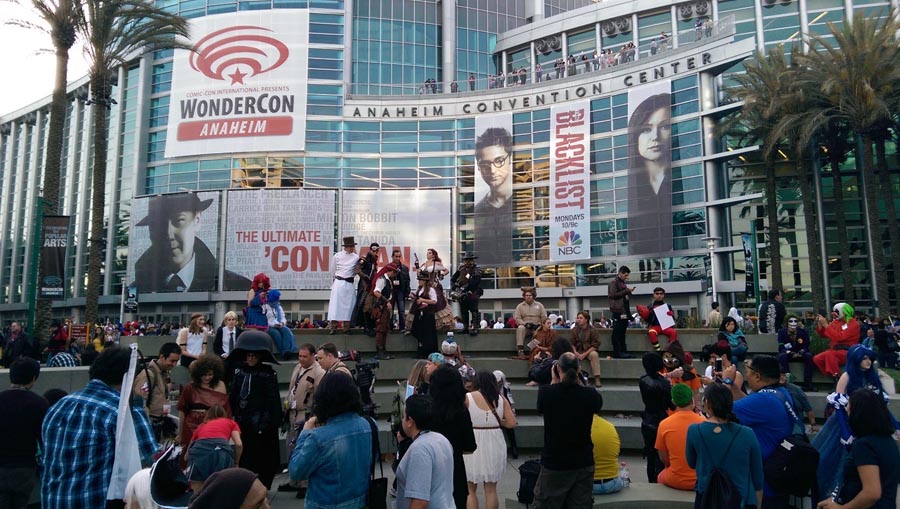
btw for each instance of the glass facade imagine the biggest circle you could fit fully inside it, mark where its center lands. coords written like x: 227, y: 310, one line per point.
x: 394, y: 46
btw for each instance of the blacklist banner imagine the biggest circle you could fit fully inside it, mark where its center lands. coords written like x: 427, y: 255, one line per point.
x: 570, y: 174
x: 54, y: 241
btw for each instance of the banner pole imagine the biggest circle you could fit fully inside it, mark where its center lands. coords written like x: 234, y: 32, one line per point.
x: 122, y: 303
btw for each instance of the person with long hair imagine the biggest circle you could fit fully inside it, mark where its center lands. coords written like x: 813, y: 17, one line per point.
x: 649, y: 179
x: 730, y: 332
x: 451, y: 419
x: 209, y: 450
x: 836, y: 436
x: 205, y: 391
x: 544, y: 337
x: 490, y: 412
x: 256, y: 403
x: 257, y: 297
x: 872, y: 469
x: 423, y: 325
x: 192, y: 339
x: 721, y: 442
x: 586, y: 342
x: 657, y: 396
x: 334, y: 450
x: 434, y: 267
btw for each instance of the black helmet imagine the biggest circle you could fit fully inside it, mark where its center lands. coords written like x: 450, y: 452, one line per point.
x: 169, y: 486
x: 257, y: 341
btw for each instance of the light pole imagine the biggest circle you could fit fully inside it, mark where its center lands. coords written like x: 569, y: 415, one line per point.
x: 711, y: 247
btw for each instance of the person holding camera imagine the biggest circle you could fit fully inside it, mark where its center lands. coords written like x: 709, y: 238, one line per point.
x: 586, y: 342
x: 529, y: 315
x: 567, y: 459
x: 619, y: 296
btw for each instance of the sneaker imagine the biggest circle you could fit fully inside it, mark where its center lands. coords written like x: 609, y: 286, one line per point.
x: 473, y: 332
x: 301, y: 493
x: 332, y: 332
x: 625, y: 356
x: 288, y: 487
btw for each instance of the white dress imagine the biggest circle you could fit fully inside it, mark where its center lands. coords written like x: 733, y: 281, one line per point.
x: 488, y: 461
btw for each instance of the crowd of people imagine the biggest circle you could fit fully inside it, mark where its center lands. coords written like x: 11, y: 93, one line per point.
x: 452, y: 422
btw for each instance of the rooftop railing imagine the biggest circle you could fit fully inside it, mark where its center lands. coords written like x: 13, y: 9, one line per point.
x: 585, y: 63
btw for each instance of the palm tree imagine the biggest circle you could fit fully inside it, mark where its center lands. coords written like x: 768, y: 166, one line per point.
x: 60, y: 17
x: 886, y: 190
x: 760, y: 88
x: 857, y: 75
x: 115, y: 31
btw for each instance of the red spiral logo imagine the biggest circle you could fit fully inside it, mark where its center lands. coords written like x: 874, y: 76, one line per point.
x: 236, y: 49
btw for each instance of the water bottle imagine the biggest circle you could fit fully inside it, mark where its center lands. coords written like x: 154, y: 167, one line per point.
x: 624, y: 474
x: 449, y: 338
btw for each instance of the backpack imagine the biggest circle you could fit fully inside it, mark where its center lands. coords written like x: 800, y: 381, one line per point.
x: 528, y: 475
x: 720, y: 492
x: 791, y: 469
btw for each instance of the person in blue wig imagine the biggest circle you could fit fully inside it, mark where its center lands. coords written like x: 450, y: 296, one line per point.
x: 282, y: 335
x: 834, y: 440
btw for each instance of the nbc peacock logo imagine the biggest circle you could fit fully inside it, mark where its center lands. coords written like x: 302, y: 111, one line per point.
x: 569, y: 238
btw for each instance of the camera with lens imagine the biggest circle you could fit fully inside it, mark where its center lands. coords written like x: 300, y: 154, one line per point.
x: 364, y: 375
x: 531, y: 326
x: 349, y: 355
x: 457, y: 294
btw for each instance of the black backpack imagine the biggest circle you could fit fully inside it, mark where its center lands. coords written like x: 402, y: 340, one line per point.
x: 720, y: 492
x: 528, y: 475
x: 791, y: 468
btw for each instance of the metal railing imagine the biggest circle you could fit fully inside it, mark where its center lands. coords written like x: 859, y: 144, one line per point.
x: 612, y: 58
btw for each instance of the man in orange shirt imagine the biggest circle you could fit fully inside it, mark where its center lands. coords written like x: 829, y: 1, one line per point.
x: 671, y: 441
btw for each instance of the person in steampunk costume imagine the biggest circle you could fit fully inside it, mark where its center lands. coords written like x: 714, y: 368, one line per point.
x: 367, y: 267
x: 467, y: 281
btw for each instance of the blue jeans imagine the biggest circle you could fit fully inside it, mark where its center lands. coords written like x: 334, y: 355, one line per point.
x: 283, y: 338
x: 608, y: 487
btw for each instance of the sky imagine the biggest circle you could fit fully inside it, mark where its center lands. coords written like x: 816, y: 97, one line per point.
x: 29, y: 74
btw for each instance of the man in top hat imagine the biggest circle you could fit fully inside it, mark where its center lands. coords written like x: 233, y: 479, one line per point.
x: 178, y: 261
x: 342, y: 301
x: 468, y: 280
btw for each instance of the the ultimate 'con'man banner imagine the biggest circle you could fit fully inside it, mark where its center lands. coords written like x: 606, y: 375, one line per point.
x: 412, y: 221
x: 493, y: 189
x: 173, y: 243
x: 287, y: 234
x: 243, y: 87
x: 570, y: 179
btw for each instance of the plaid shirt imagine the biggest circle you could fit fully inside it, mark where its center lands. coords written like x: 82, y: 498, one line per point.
x: 79, y: 447
x: 62, y: 360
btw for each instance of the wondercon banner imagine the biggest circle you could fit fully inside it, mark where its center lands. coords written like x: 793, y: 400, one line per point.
x: 242, y: 87
x: 288, y: 234
x: 54, y: 241
x: 493, y: 189
x: 650, y: 169
x: 412, y: 221
x: 570, y: 177
x: 173, y: 241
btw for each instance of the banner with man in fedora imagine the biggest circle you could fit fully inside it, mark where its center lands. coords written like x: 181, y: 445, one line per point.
x: 174, y: 244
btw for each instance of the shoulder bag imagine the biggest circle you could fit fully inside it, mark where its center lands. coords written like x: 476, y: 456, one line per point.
x: 377, y: 497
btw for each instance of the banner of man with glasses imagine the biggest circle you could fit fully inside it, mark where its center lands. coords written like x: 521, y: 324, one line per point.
x: 493, y: 189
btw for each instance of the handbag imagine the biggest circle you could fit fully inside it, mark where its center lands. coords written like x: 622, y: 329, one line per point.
x: 377, y: 496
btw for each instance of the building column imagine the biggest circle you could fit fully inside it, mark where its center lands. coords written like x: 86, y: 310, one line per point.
x: 573, y: 306
x: 564, y: 44
x: 758, y: 15
x: 598, y: 37
x: 448, y: 48
x: 635, y: 39
x: 532, y: 60
x: 673, y: 36
x: 348, y: 47
x: 820, y: 223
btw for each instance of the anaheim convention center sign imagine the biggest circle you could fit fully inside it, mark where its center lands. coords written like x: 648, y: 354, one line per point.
x: 243, y: 87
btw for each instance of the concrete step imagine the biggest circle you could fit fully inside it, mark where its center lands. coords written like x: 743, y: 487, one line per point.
x: 636, y: 496
x: 494, y: 341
